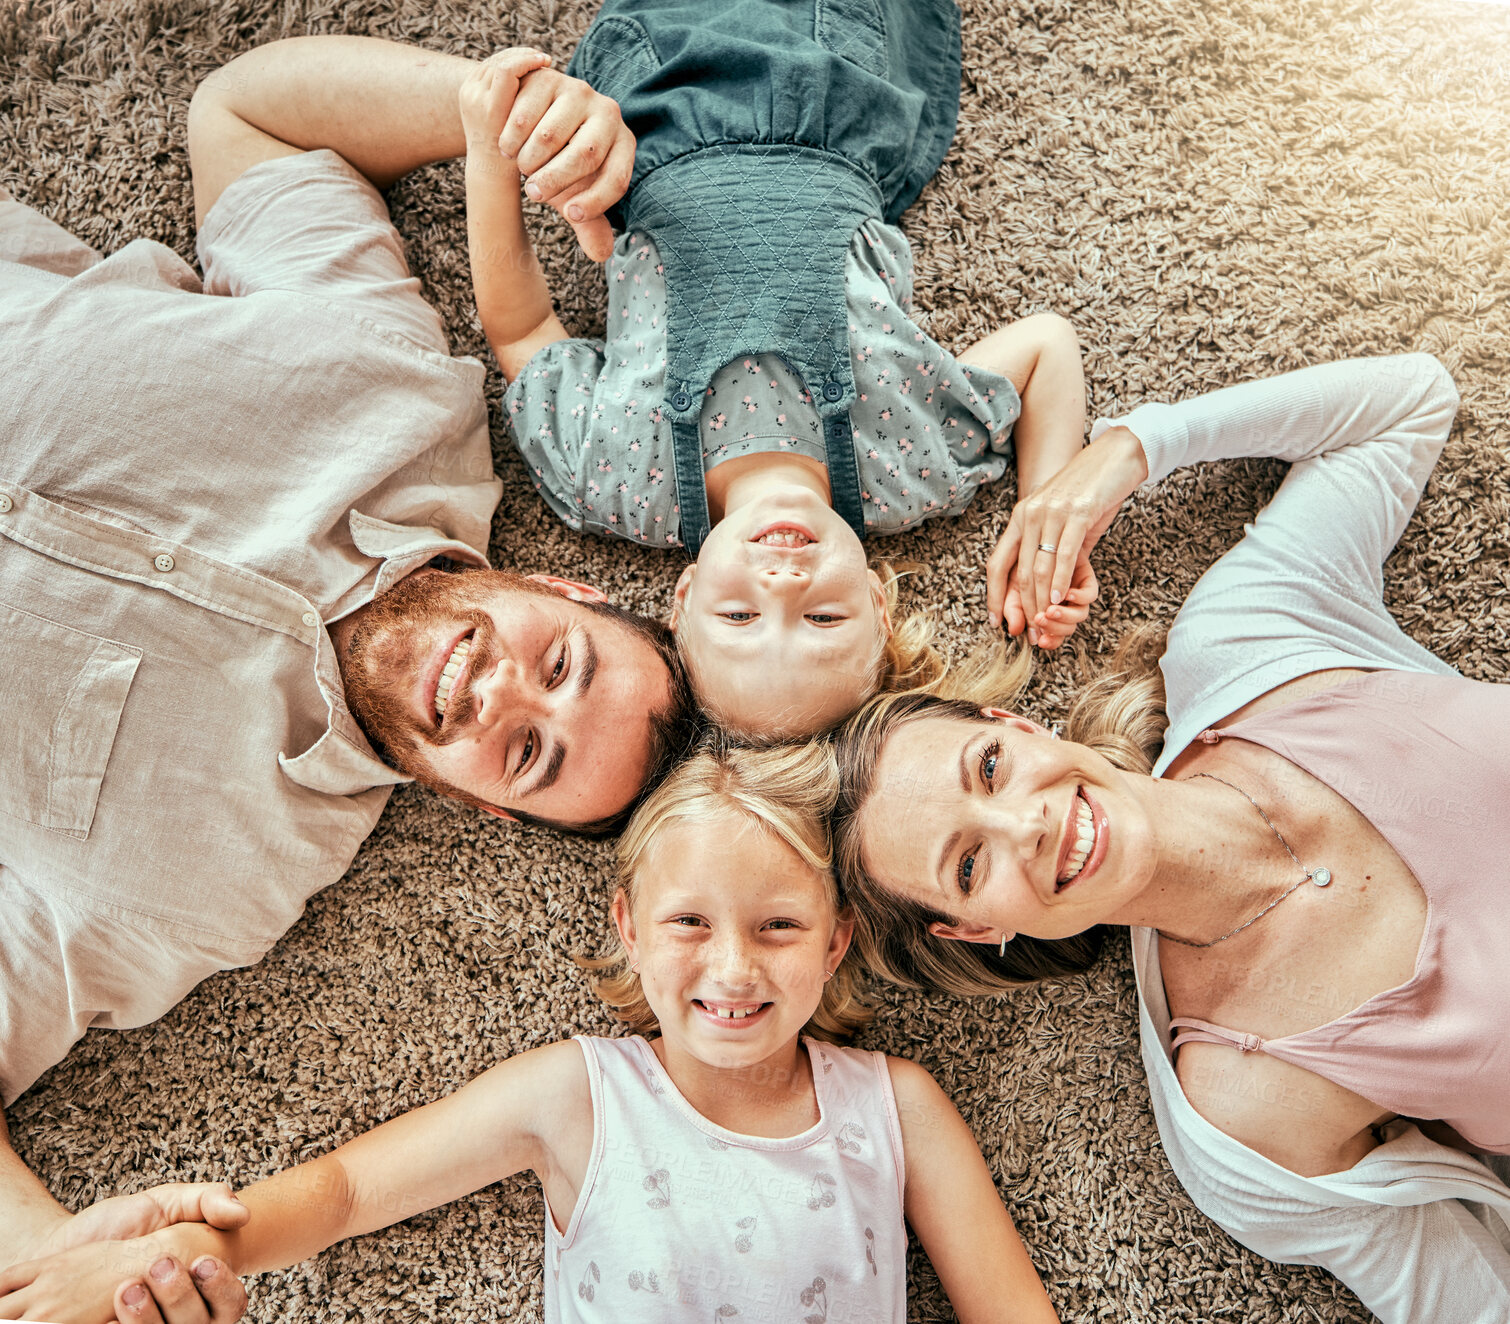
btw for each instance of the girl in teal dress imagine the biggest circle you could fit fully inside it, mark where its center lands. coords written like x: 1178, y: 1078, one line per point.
x: 763, y: 396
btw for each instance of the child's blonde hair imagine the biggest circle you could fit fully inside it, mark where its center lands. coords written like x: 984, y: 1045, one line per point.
x: 785, y: 791
x: 905, y: 659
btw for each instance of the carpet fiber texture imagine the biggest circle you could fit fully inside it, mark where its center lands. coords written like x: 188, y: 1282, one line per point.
x: 1211, y: 192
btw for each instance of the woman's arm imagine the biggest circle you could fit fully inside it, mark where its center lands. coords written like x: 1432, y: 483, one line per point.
x: 511, y: 1118
x: 1362, y: 436
x: 1304, y: 589
x: 954, y: 1208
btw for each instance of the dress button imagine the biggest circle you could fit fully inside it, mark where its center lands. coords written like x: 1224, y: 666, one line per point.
x: 163, y: 562
x: 832, y: 390
x: 5, y: 504
x: 310, y: 619
x: 681, y: 402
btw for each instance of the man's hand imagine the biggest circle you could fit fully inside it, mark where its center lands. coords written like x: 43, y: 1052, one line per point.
x: 142, y: 1281
x: 569, y: 142
x: 161, y: 1291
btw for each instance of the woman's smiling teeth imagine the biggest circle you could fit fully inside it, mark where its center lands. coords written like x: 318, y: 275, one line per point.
x: 1085, y: 838
x: 449, y: 673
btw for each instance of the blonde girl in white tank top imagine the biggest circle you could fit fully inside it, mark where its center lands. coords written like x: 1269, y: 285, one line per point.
x: 740, y: 1165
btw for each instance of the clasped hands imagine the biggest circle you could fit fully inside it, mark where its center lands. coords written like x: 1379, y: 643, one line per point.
x: 1047, y: 593
x: 132, y: 1259
x: 568, y: 141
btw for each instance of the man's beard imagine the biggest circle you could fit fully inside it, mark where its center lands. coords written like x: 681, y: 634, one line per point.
x: 382, y: 657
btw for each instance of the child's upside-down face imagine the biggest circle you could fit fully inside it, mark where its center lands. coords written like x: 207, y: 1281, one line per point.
x: 781, y: 620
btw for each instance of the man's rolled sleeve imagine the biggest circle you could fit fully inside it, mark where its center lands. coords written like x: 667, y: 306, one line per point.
x: 30, y: 239
x: 312, y: 224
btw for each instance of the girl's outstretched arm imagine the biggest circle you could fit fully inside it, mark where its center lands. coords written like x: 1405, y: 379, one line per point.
x: 954, y: 1207
x: 513, y: 301
x: 533, y: 1111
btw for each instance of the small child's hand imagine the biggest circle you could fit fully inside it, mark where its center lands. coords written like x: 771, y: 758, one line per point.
x: 1047, y: 543
x: 124, y: 1217
x: 488, y: 94
x: 1055, y: 623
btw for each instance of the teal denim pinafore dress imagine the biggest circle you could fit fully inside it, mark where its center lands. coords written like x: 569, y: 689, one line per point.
x: 768, y: 132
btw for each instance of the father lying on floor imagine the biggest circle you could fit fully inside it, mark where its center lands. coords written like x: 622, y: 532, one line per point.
x: 219, y: 500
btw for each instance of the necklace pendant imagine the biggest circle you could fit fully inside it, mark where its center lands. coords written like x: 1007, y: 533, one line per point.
x: 1321, y: 877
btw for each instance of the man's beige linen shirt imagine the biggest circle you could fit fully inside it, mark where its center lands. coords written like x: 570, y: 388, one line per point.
x: 194, y: 480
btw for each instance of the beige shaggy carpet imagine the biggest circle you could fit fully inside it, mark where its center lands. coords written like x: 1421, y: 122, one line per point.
x: 1212, y: 191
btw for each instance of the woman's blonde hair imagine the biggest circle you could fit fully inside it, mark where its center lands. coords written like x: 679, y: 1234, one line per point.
x: 1119, y: 714
x: 905, y: 659
x: 786, y: 792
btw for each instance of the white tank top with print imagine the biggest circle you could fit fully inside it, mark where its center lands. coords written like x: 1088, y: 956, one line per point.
x: 681, y: 1220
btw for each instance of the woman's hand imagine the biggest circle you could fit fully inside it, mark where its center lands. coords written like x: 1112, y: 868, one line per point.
x: 570, y: 142
x: 1044, y: 591
x: 1056, y: 623
x: 169, y: 1277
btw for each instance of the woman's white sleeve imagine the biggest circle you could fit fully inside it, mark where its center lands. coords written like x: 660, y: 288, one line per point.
x: 1407, y: 1263
x: 1303, y: 591
x: 1362, y: 437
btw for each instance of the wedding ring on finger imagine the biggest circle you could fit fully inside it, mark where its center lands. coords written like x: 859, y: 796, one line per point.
x: 1047, y: 547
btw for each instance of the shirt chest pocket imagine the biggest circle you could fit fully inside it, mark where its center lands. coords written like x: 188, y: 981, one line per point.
x: 65, y: 690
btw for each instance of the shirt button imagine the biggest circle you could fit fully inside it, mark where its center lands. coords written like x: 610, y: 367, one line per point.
x: 311, y: 620
x: 163, y: 562
x: 832, y: 390
x: 5, y: 504
x: 681, y: 402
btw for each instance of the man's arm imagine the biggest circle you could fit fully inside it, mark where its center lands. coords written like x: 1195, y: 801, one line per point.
x: 28, y: 1214
x: 387, y: 108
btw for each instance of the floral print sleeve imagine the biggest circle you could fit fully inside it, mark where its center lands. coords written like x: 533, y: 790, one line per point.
x: 587, y: 414
x: 540, y: 404
x: 931, y: 430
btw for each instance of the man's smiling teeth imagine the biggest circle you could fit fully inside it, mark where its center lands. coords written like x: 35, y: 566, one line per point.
x: 449, y: 673
x: 1085, y: 838
x: 783, y: 538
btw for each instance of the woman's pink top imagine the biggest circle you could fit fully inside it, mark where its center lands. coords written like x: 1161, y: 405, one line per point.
x: 1426, y: 759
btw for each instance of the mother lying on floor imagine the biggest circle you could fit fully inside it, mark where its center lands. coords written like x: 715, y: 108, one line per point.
x: 1304, y: 821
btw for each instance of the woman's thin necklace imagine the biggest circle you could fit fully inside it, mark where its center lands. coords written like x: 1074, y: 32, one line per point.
x: 1320, y: 876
